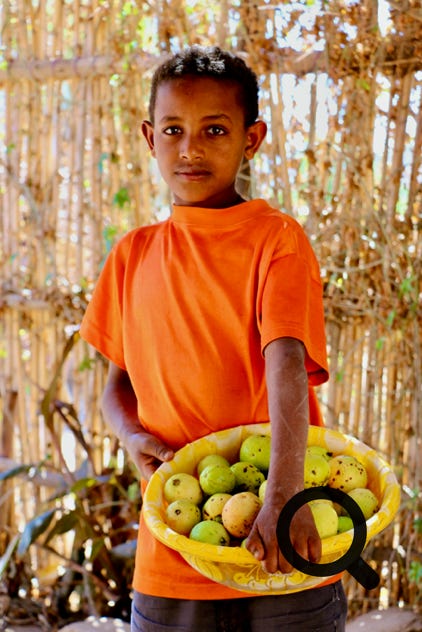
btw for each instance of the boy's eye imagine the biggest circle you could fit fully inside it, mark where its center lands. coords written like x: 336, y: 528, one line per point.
x: 216, y: 130
x: 172, y: 130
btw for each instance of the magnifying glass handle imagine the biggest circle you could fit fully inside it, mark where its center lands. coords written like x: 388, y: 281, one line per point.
x: 364, y: 573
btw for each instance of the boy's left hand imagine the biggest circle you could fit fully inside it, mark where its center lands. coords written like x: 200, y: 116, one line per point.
x: 263, y: 544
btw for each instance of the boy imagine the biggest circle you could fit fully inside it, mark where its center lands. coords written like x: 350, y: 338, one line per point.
x: 212, y: 319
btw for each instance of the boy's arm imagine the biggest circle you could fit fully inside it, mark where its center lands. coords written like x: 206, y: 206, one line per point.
x: 119, y: 406
x: 287, y: 385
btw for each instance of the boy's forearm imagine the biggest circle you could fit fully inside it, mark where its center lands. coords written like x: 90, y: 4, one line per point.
x: 287, y: 385
x: 119, y: 407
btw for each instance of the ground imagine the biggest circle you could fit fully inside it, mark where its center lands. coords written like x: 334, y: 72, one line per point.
x: 390, y: 620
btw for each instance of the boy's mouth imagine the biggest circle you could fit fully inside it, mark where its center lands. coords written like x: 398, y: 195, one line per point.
x: 192, y: 173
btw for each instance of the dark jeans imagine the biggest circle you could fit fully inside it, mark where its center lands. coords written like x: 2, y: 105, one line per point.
x: 316, y: 610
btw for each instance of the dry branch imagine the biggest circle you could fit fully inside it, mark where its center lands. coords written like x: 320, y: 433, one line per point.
x: 78, y: 68
x: 286, y: 60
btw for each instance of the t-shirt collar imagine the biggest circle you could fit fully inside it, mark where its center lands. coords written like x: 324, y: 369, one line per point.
x: 219, y: 217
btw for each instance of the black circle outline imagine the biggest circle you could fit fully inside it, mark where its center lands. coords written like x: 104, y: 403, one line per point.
x: 350, y: 560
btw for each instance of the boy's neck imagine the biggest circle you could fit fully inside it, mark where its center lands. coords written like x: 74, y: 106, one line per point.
x: 237, y: 199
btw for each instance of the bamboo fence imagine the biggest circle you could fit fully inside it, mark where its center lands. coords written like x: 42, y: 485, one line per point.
x: 341, y: 93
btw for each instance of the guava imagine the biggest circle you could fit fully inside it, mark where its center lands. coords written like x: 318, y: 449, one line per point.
x: 183, y: 485
x: 210, y: 532
x: 316, y: 470
x: 239, y: 513
x: 262, y: 490
x: 211, y: 459
x: 366, y: 500
x: 213, y: 507
x: 346, y: 473
x: 325, y: 517
x: 182, y: 515
x: 256, y: 449
x: 217, y: 479
x: 319, y: 449
x: 345, y: 523
x: 247, y: 476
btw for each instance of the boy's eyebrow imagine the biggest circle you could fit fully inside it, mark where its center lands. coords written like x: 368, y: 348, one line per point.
x: 209, y: 117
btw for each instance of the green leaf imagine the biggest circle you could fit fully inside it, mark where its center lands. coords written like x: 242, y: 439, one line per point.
x: 379, y: 343
x: 97, y: 545
x: 88, y: 482
x: 109, y: 235
x: 65, y: 524
x: 103, y: 157
x: 6, y: 557
x: 415, y: 572
x: 33, y: 529
x: 390, y: 318
x: 121, y: 197
x: 86, y: 364
x: 406, y: 286
x: 339, y: 377
x: 83, y: 483
x: 15, y: 471
x: 133, y: 492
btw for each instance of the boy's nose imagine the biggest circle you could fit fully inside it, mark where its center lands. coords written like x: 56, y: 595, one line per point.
x: 190, y: 148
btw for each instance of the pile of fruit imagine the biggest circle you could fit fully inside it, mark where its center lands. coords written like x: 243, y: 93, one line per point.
x: 219, y: 504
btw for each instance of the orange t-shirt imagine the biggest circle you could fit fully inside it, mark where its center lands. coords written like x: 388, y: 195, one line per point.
x: 186, y: 307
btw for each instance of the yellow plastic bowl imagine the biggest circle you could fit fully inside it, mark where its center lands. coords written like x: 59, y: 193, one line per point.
x: 235, y: 566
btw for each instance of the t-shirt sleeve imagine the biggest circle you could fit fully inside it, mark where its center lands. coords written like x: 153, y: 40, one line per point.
x: 292, y: 302
x: 101, y: 325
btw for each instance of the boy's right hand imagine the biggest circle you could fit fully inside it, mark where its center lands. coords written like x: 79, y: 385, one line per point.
x: 147, y: 452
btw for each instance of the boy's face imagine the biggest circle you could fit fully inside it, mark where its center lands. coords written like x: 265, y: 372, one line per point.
x: 199, y: 140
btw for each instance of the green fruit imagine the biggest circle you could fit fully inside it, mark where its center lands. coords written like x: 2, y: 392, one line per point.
x: 210, y: 532
x: 256, y: 449
x: 325, y: 517
x: 346, y: 473
x: 247, y: 476
x: 366, y: 500
x: 213, y: 507
x: 217, y: 479
x: 182, y: 515
x: 344, y: 524
x: 239, y: 513
x: 261, y: 491
x: 316, y: 470
x: 319, y: 449
x: 182, y: 485
x: 211, y: 459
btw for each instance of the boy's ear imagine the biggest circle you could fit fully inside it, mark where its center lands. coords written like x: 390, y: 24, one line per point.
x: 255, y: 134
x: 148, y: 132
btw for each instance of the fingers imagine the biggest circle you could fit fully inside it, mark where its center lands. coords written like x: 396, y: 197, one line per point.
x: 255, y: 545
x: 147, y: 465
x: 265, y: 548
x: 269, y: 557
x: 148, y: 453
x: 314, y: 549
x: 149, y: 445
x: 283, y: 564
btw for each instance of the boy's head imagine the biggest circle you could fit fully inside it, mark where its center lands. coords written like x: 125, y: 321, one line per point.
x: 216, y: 64
x: 203, y: 124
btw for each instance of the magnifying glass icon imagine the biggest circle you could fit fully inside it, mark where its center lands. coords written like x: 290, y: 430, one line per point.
x: 351, y: 560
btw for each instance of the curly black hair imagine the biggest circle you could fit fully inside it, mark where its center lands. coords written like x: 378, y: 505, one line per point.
x: 211, y: 62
